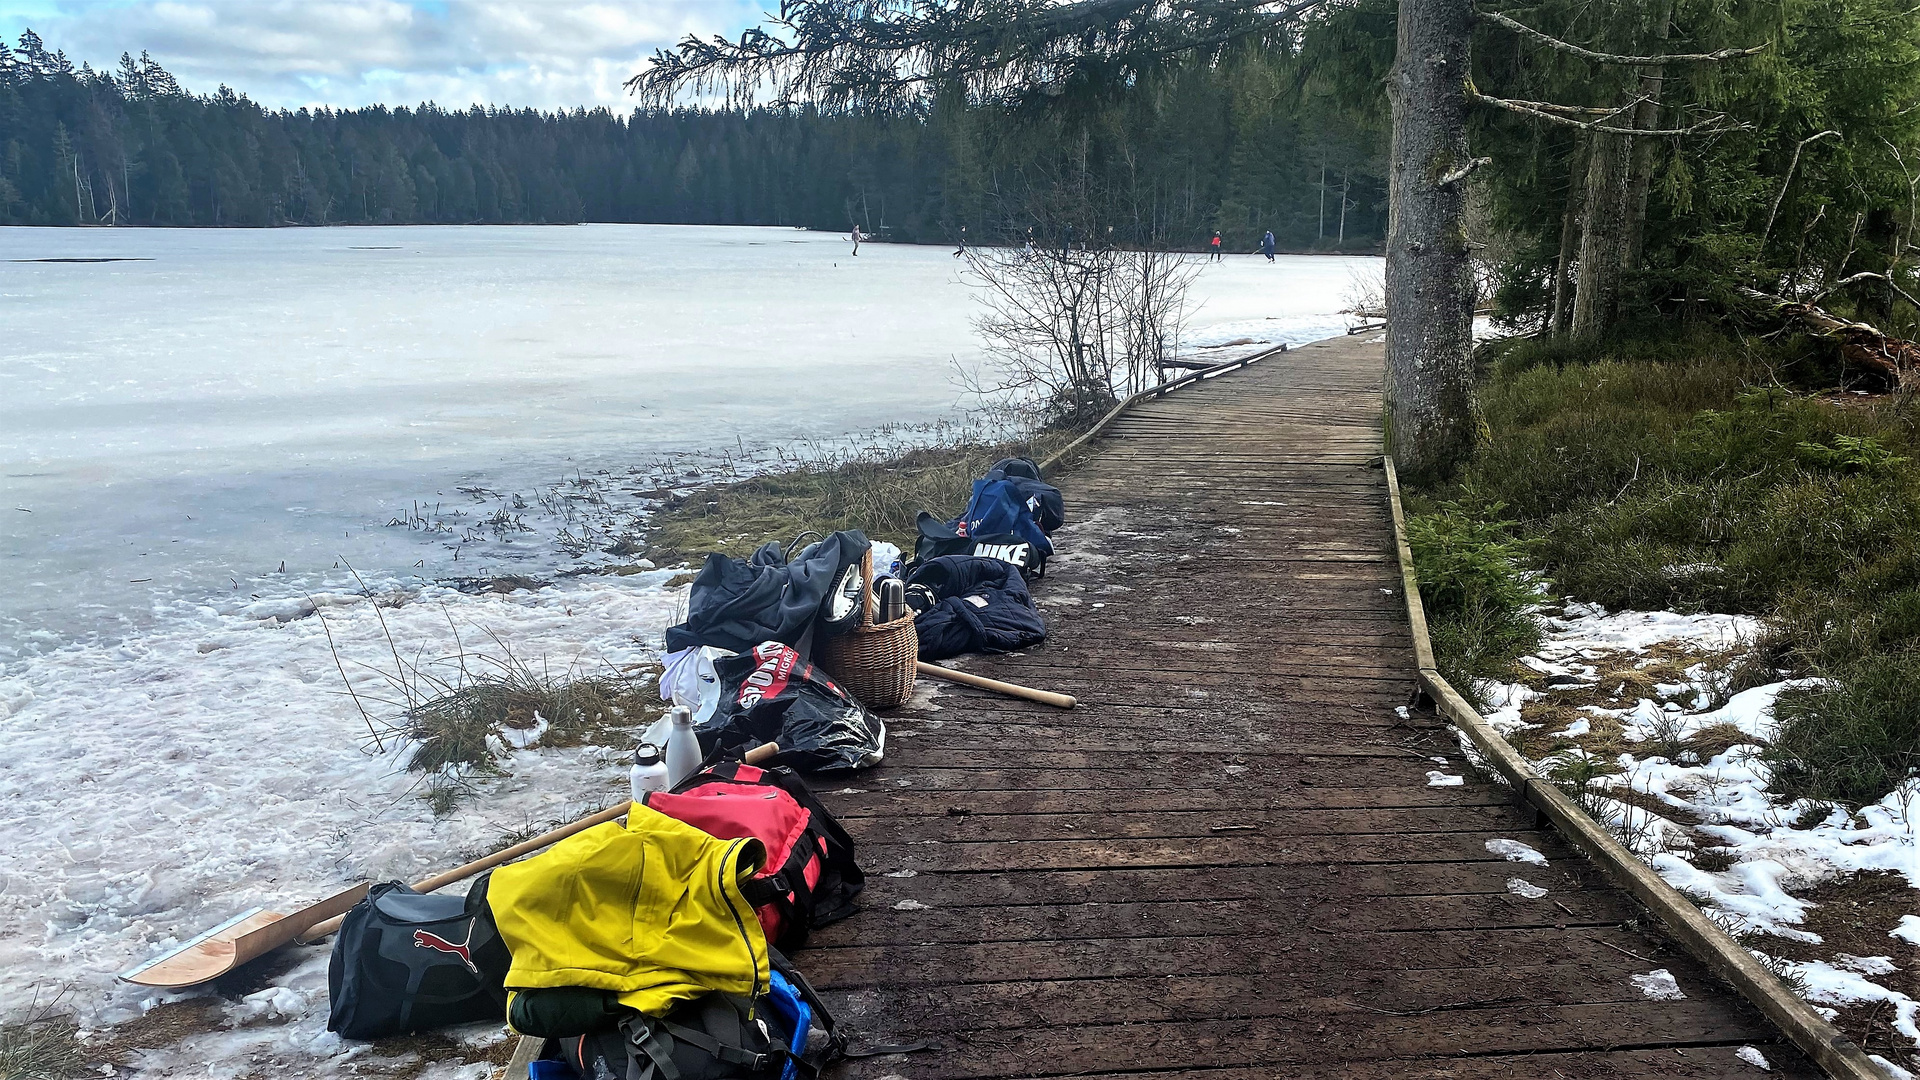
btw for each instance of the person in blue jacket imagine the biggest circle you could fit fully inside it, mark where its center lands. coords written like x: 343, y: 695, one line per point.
x: 1266, y: 245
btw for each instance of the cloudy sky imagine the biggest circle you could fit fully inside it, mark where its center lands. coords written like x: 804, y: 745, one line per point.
x: 545, y: 53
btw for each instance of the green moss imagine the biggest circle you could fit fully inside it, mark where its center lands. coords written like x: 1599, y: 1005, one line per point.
x: 1695, y: 471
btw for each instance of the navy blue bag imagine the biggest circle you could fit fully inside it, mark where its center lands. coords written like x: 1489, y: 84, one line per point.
x: 1042, y: 499
x: 1009, y: 517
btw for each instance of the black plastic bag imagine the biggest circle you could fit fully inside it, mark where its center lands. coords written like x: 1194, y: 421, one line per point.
x: 736, y: 604
x: 769, y: 694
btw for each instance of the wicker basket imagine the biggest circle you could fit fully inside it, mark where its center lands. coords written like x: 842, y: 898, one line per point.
x: 874, y: 663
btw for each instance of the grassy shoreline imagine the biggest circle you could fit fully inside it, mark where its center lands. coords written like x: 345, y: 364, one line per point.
x: 877, y: 492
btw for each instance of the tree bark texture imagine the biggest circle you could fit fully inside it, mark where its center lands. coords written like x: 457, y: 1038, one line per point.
x: 1603, y: 234
x: 1429, y: 287
x: 1646, y: 117
x: 1619, y: 173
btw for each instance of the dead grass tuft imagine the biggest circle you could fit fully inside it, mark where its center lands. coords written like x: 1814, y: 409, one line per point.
x: 878, y: 492
x: 44, y: 1046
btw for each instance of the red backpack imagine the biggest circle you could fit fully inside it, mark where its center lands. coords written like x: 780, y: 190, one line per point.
x: 810, y: 878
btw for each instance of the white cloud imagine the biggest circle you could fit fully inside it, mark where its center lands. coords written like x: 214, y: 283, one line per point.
x: 543, y: 53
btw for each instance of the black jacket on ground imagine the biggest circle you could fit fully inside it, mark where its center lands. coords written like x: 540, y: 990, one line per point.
x: 983, y: 606
x: 736, y: 605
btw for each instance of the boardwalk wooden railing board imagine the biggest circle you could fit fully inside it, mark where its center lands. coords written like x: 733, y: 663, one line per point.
x: 1227, y: 861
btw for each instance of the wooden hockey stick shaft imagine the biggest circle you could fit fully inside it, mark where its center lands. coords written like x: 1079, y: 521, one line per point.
x: 504, y: 855
x: 1044, y: 697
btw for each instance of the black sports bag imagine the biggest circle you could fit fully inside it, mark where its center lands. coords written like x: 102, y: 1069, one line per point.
x: 408, y: 961
x: 786, y: 1035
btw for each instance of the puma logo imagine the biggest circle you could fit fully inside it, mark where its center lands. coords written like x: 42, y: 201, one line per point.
x: 425, y: 940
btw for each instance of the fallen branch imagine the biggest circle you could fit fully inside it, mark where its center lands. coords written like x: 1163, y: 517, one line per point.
x: 1892, y: 361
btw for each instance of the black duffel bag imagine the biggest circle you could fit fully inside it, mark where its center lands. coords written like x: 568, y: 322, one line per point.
x: 407, y: 962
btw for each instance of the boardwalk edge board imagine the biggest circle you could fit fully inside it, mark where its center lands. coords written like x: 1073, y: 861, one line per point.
x: 1836, y: 1054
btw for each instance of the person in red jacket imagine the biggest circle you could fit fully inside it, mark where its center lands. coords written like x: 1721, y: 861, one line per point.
x: 1215, y: 242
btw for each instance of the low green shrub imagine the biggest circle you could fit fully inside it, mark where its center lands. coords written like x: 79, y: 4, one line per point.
x: 1695, y: 472
x: 1853, y: 739
x: 1476, y: 590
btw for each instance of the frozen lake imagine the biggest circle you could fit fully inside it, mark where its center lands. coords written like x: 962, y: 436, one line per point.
x: 250, y: 407
x: 173, y: 432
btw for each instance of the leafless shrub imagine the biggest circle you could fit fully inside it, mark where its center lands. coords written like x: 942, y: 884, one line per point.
x: 1072, y: 329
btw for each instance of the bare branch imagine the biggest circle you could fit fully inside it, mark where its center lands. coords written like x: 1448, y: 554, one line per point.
x: 1715, y: 124
x: 1460, y: 172
x: 1524, y: 30
x: 1788, y: 179
x: 1866, y: 275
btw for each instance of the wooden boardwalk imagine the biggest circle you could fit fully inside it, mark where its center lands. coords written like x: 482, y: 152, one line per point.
x: 1227, y: 862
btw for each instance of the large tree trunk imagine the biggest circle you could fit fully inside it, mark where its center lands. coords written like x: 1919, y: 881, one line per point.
x: 1646, y: 118
x: 1603, y: 234
x: 1619, y: 173
x: 1430, y: 407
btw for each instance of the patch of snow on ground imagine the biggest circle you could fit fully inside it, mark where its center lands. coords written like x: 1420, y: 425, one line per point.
x: 1523, y: 887
x: 1776, y: 849
x: 1829, y: 984
x: 1895, y: 1072
x: 1908, y: 930
x: 1436, y: 778
x: 1591, y: 627
x: 1515, y: 851
x: 1659, y: 985
x: 1753, y: 1057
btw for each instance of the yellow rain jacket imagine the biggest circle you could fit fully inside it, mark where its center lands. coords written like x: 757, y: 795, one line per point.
x: 650, y: 909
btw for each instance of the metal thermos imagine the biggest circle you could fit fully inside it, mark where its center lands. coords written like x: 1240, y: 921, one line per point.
x: 893, y: 600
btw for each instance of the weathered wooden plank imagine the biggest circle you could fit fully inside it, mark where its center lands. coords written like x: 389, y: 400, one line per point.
x: 1226, y: 862
x: 1198, y: 852
x: 1116, y: 818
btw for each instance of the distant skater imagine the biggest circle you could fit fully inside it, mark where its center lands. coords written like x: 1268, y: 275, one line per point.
x: 962, y: 249
x: 1266, y: 245
x: 856, y: 240
x: 1215, y: 244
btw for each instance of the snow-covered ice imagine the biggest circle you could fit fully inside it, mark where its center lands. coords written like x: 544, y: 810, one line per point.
x: 158, y: 786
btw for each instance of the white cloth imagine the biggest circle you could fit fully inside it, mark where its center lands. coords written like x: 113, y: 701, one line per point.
x: 687, y: 678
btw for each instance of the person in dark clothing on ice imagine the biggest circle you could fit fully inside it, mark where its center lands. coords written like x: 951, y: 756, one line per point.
x: 1266, y: 245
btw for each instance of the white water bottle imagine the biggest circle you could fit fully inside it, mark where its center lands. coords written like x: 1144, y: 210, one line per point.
x: 683, y: 746
x: 649, y: 772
